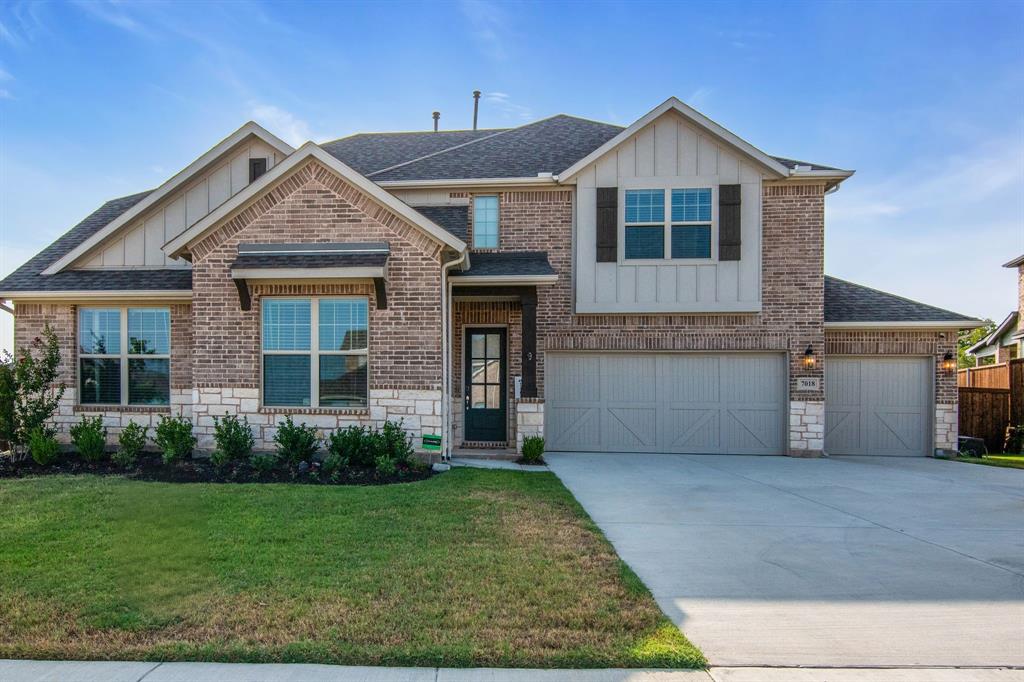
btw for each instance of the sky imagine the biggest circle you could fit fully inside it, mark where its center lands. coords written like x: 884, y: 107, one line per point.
x: 925, y: 100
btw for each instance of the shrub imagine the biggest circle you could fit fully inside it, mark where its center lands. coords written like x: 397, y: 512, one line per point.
x: 43, y: 446
x: 296, y: 443
x: 7, y: 422
x: 36, y: 394
x: 263, y: 462
x: 533, y: 450
x: 384, y: 465
x: 332, y: 464
x: 174, y: 438
x: 129, y: 445
x: 233, y: 438
x: 1014, y: 439
x: 397, y: 443
x: 351, y: 445
x: 90, y: 438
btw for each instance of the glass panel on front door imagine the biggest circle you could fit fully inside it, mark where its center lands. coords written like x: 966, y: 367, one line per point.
x: 485, y: 385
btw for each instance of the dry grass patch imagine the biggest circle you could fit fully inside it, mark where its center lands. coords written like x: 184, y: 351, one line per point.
x: 472, y: 568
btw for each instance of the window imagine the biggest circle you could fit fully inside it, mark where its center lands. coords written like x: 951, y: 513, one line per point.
x: 485, y: 222
x: 689, y: 224
x: 645, y: 223
x: 315, y: 352
x: 124, y: 356
x: 257, y: 167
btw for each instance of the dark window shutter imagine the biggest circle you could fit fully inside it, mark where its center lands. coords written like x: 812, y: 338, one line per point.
x: 607, y: 224
x: 728, y: 222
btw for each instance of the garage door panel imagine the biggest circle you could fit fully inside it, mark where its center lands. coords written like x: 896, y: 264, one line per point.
x: 569, y: 426
x: 878, y: 406
x: 674, y: 402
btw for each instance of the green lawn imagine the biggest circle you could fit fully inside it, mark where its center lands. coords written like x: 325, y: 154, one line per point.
x: 470, y: 568
x: 1008, y: 461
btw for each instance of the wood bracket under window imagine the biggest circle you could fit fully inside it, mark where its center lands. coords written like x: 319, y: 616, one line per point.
x: 244, y: 300
x: 380, y: 289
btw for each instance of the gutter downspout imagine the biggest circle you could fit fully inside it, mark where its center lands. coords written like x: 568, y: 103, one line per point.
x: 446, y: 346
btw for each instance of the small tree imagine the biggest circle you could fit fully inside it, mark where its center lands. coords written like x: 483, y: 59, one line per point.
x: 36, y: 391
x: 7, y: 428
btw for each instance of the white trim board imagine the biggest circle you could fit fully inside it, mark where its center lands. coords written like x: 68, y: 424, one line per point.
x: 307, y: 273
x: 178, y: 180
x: 177, y: 246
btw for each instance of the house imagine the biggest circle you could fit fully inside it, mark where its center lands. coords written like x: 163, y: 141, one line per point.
x: 653, y: 288
x: 1006, y: 342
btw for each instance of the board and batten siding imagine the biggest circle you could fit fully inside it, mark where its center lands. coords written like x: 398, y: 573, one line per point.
x: 140, y: 244
x: 669, y: 154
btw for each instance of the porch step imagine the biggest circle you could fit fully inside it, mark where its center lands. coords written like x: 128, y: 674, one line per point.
x: 508, y: 454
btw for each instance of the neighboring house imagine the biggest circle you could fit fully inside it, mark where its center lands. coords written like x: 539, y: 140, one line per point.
x: 999, y: 346
x: 655, y: 288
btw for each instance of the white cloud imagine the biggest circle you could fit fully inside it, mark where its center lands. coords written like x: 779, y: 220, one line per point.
x: 117, y: 15
x: 284, y: 124
x: 699, y: 98
x: 5, y: 75
x: 488, y: 23
x: 505, y: 108
x: 5, y: 94
x: 937, y: 232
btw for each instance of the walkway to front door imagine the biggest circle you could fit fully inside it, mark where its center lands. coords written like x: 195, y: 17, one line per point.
x: 485, y: 390
x: 868, y: 561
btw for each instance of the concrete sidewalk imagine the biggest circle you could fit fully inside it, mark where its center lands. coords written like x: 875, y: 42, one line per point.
x: 129, y: 671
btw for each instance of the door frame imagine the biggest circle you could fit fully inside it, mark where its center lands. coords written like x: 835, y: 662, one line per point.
x: 506, y: 376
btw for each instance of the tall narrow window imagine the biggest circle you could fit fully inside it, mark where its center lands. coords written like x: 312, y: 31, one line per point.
x: 645, y: 223
x: 315, y: 352
x: 124, y: 356
x: 257, y: 167
x: 691, y: 223
x: 485, y: 222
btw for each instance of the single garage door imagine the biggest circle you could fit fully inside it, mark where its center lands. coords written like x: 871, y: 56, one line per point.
x: 660, y: 402
x: 878, y: 406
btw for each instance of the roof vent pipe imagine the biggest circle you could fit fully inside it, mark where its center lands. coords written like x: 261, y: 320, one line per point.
x: 476, y: 106
x: 437, y: 117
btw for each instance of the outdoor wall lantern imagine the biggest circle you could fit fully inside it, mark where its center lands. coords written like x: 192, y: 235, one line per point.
x: 809, y: 359
x: 948, y: 362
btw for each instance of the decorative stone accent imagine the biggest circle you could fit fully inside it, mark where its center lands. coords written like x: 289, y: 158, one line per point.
x: 946, y: 429
x: 806, y: 428
x: 116, y: 417
x: 418, y: 410
x: 529, y: 421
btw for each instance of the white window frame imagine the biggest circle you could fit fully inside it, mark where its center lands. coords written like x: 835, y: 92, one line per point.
x: 124, y: 356
x: 497, y: 224
x: 314, y: 352
x: 668, y: 184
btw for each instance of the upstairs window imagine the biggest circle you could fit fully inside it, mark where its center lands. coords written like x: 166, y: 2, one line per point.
x: 645, y: 223
x: 485, y: 222
x: 124, y: 356
x: 685, y: 234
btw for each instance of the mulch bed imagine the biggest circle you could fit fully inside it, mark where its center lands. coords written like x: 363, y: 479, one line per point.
x: 150, y: 467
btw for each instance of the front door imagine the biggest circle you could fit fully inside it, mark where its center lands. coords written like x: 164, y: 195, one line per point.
x: 485, y: 385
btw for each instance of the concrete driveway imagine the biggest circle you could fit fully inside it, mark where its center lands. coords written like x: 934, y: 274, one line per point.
x: 828, y: 562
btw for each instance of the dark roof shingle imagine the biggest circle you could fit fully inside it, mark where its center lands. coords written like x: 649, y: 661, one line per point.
x: 371, y: 152
x: 27, y: 277
x: 849, y: 302
x: 454, y: 219
x: 507, y: 264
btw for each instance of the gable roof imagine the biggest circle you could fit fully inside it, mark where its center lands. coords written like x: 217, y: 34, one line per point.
x: 849, y: 304
x: 28, y: 277
x: 176, y: 246
x: 1008, y: 324
x: 164, y: 190
x: 1018, y: 261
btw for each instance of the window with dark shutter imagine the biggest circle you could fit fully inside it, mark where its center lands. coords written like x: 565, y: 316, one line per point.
x: 257, y: 167
x: 728, y: 222
x: 607, y: 224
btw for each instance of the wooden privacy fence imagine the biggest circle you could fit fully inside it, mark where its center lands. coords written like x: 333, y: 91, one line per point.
x: 986, y: 410
x: 989, y: 376
x: 985, y: 413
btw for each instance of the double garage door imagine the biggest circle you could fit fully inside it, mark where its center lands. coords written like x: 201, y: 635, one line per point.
x: 653, y: 402
x: 735, y: 403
